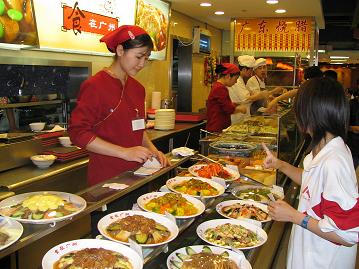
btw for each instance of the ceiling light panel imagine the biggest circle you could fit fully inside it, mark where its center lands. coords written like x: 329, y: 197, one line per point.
x: 280, y: 11
x: 205, y: 4
x: 219, y: 12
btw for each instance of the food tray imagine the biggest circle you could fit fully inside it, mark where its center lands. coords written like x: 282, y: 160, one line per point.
x: 240, y: 149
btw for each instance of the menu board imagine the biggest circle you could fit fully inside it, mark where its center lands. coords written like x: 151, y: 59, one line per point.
x: 78, y: 25
x: 273, y: 34
x: 17, y: 25
x: 153, y: 16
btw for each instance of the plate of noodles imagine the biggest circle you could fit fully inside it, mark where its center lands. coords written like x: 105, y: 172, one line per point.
x: 204, y: 256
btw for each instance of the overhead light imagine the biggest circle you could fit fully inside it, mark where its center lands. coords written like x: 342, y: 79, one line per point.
x: 272, y: 2
x: 280, y: 11
x: 205, y: 4
x: 219, y: 12
x: 338, y: 60
x: 321, y: 51
x: 339, y: 57
x: 338, y: 63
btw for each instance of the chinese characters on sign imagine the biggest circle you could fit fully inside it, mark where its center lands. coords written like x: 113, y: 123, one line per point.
x: 275, y: 35
x: 78, y: 20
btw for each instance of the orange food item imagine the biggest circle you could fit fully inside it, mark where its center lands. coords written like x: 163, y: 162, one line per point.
x: 213, y: 170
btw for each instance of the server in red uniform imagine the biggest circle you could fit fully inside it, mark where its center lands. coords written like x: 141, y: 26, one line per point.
x: 219, y: 104
x: 109, y: 116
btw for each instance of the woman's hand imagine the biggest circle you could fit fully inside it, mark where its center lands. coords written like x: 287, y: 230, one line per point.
x: 270, y: 161
x: 136, y: 154
x: 282, y: 211
x: 161, y: 158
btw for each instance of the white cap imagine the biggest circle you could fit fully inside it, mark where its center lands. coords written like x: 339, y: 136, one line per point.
x: 246, y: 61
x: 259, y: 62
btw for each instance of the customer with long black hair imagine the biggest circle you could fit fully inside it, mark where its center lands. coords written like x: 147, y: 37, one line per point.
x: 326, y: 224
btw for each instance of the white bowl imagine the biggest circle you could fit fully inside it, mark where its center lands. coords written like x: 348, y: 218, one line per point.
x: 37, y: 126
x: 65, y: 141
x: 43, y: 161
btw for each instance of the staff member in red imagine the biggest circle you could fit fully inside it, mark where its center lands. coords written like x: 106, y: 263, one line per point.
x: 219, y: 104
x: 109, y: 116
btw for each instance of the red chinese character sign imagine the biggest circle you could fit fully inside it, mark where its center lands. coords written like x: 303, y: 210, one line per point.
x: 273, y: 35
x: 78, y: 25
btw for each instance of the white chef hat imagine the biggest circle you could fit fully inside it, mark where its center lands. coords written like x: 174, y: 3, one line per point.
x: 259, y: 62
x: 246, y: 61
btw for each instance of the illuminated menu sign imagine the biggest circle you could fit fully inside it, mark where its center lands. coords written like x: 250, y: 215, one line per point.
x: 17, y: 25
x: 78, y: 25
x: 153, y: 16
x: 273, y: 34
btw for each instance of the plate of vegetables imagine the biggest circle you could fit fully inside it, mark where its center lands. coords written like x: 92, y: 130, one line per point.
x: 179, y: 205
x: 232, y: 233
x: 145, y: 228
x: 256, y: 193
x: 213, y: 170
x: 195, y: 186
x: 42, y: 207
x: 203, y: 256
x: 241, y: 209
x: 88, y: 253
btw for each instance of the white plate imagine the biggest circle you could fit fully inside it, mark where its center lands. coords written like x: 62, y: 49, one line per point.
x: 178, y: 180
x: 237, y: 257
x: 145, y: 198
x: 12, y: 228
x: 242, y: 202
x: 54, y: 254
x: 17, y: 199
x: 264, y: 199
x: 110, y: 218
x: 234, y: 174
x: 262, y: 235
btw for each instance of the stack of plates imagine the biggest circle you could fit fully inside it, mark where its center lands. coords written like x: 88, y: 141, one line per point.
x: 165, y: 119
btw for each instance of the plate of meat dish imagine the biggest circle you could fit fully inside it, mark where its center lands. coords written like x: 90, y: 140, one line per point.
x: 240, y: 209
x: 195, y: 186
x: 213, y: 170
x: 179, y: 205
x: 10, y: 231
x: 91, y: 254
x: 203, y: 256
x: 145, y: 228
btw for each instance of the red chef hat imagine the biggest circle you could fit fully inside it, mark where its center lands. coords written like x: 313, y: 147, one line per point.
x: 231, y: 69
x: 120, y: 35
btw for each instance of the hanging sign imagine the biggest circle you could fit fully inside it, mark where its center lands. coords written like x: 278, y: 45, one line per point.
x: 78, y: 25
x: 153, y: 16
x: 273, y: 34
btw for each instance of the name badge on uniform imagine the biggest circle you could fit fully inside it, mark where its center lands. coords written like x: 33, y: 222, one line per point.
x: 138, y: 124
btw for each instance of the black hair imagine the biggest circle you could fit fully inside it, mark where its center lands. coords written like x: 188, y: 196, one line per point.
x: 312, y: 72
x: 138, y: 42
x: 220, y: 69
x: 330, y: 74
x: 321, y: 107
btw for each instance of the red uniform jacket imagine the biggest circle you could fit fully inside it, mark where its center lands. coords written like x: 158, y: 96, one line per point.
x: 219, y: 108
x: 100, y: 112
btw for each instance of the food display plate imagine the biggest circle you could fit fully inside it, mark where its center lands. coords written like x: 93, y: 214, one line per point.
x: 203, y: 227
x: 12, y: 228
x: 178, y: 180
x: 54, y: 254
x: 236, y: 256
x: 78, y: 201
x: 234, y: 174
x: 242, y: 202
x: 110, y: 218
x: 145, y: 198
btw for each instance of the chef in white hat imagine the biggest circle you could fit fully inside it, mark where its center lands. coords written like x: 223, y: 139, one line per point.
x: 257, y: 87
x: 239, y: 93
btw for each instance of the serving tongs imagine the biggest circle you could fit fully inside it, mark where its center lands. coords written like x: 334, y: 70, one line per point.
x: 208, y: 159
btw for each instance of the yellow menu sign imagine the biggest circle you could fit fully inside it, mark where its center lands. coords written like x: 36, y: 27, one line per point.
x: 273, y: 34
